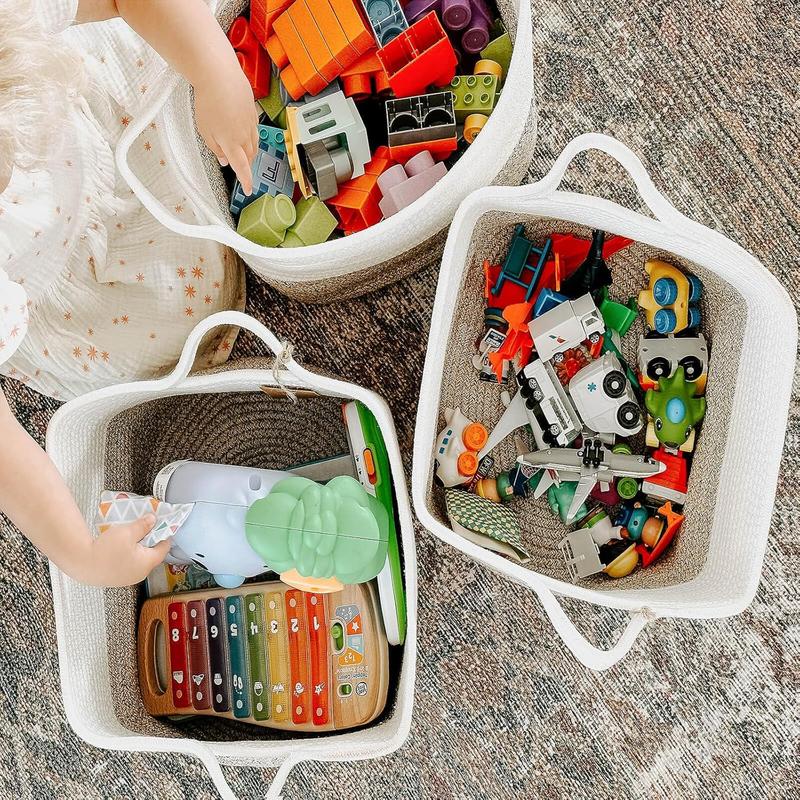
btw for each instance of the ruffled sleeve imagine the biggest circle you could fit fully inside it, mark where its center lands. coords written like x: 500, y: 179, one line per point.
x: 13, y: 316
x: 56, y: 15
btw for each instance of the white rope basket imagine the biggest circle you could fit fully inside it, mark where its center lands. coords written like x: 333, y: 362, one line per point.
x: 734, y: 474
x: 368, y: 259
x: 76, y: 441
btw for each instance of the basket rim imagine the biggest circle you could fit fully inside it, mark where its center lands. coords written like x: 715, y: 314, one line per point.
x: 767, y: 302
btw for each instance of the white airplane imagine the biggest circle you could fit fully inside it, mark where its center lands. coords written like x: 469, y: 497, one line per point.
x: 593, y: 463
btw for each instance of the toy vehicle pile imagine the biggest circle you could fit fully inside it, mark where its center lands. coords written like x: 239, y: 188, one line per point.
x: 365, y: 105
x: 552, y: 329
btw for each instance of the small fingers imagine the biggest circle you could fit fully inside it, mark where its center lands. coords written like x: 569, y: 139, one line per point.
x: 213, y: 146
x: 143, y: 526
x: 241, y: 166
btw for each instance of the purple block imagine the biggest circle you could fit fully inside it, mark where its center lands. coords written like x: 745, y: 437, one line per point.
x: 418, y: 8
x: 476, y: 36
x: 401, y: 186
x: 456, y: 14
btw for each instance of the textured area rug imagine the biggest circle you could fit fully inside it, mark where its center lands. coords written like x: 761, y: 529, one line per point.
x: 705, y: 92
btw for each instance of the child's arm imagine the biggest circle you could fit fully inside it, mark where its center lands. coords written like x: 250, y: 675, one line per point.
x: 186, y: 34
x: 35, y: 498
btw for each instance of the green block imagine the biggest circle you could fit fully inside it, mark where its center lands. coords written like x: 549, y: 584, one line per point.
x: 314, y: 224
x: 266, y: 220
x: 274, y: 105
x: 616, y: 316
x: 473, y: 94
x: 499, y: 50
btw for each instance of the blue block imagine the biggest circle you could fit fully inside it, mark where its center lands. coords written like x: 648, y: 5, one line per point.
x: 271, y: 172
x: 547, y: 300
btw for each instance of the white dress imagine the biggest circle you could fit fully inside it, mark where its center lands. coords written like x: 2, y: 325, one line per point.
x: 105, y: 292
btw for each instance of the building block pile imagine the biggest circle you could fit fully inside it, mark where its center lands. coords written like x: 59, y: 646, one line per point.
x: 364, y: 105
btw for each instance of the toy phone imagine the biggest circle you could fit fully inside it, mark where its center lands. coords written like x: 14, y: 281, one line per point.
x: 372, y: 468
x: 266, y: 654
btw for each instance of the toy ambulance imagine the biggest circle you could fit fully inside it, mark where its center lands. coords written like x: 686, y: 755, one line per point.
x: 604, y: 398
x: 566, y: 326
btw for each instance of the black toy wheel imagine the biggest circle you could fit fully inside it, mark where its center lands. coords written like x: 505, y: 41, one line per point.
x: 658, y: 367
x: 629, y: 415
x: 614, y: 383
x: 692, y: 367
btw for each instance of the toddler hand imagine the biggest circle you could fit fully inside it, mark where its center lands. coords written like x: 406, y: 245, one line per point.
x: 227, y: 119
x: 117, y: 559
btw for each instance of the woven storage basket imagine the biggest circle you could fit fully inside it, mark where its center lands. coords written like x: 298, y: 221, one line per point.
x: 713, y: 566
x: 120, y: 437
x: 370, y: 259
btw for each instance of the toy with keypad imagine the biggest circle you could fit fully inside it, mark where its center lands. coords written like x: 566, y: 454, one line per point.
x: 267, y: 655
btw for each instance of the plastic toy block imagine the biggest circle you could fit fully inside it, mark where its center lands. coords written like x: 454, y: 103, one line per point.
x: 386, y: 19
x: 401, y: 186
x: 266, y: 220
x: 473, y: 94
x: 420, y: 57
x: 271, y: 172
x: 357, y: 203
x: 365, y: 77
x: 326, y: 137
x: 263, y: 14
x: 469, y: 19
x: 314, y: 223
x: 252, y: 58
x: 426, y: 122
x: 499, y: 49
x: 312, y: 41
x: 547, y: 300
x: 274, y: 104
x: 618, y: 317
x: 673, y: 483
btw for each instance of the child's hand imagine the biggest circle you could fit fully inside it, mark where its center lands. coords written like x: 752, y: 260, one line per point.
x: 117, y: 559
x: 227, y: 119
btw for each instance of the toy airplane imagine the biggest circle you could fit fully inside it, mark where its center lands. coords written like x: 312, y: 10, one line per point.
x: 593, y: 463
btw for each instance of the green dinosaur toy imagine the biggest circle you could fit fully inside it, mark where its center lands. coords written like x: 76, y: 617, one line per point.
x: 674, y: 408
x: 319, y: 537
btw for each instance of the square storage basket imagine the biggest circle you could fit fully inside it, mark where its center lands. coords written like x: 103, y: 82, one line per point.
x: 120, y: 436
x: 712, y: 568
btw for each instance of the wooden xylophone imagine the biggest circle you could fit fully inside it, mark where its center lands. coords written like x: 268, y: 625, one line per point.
x: 266, y: 654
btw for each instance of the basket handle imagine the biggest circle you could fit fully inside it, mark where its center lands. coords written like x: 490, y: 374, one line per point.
x: 216, y: 233
x: 236, y: 319
x: 661, y: 207
x: 590, y: 656
x: 214, y: 769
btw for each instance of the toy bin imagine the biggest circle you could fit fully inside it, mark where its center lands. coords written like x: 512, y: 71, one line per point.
x: 712, y: 568
x: 363, y: 261
x: 122, y: 436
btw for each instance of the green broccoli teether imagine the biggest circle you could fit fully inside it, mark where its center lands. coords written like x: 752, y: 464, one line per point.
x: 674, y: 408
x: 319, y: 537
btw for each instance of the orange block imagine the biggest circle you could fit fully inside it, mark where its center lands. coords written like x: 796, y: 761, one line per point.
x: 353, y: 25
x: 356, y: 204
x: 274, y: 8
x: 365, y: 77
x: 315, y: 42
x: 301, y: 75
x: 331, y: 27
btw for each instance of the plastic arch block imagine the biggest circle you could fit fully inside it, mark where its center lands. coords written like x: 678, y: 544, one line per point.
x: 357, y: 203
x: 419, y: 57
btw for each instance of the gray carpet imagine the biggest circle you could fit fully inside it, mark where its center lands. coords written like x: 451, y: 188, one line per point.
x: 705, y: 92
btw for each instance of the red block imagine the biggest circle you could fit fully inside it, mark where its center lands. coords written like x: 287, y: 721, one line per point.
x: 356, y: 204
x: 365, y: 77
x: 252, y: 58
x: 419, y: 57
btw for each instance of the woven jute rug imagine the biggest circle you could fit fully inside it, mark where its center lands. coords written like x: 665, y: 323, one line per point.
x: 705, y: 92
